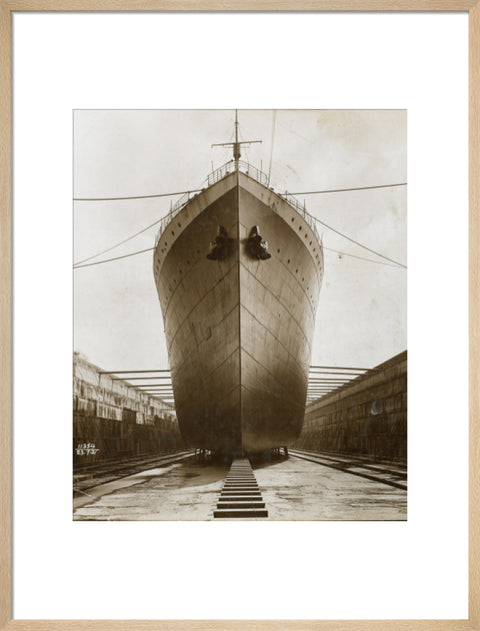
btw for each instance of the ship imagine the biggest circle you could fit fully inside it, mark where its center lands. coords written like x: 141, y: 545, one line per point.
x: 238, y: 269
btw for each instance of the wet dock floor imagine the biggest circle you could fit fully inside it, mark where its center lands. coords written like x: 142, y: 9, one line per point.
x: 292, y: 489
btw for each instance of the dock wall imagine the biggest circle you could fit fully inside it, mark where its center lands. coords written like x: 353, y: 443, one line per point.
x: 113, y: 420
x: 367, y: 417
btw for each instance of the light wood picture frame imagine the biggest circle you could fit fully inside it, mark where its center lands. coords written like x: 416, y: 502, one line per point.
x: 7, y: 9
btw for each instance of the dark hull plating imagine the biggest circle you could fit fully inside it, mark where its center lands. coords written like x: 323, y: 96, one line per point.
x: 239, y: 331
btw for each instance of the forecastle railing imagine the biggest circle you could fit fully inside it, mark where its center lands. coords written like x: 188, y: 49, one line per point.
x: 222, y: 172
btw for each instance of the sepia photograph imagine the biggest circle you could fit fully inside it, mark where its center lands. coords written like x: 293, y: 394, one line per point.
x: 240, y: 315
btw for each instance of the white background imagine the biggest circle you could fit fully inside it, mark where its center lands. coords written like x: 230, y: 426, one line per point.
x: 414, y: 569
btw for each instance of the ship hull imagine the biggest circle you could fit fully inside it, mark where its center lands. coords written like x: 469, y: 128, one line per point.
x: 239, y: 331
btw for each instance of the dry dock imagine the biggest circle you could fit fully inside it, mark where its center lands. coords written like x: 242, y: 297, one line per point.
x: 291, y: 489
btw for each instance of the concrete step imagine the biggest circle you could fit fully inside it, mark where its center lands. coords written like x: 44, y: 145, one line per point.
x: 240, y: 512
x: 243, y: 477
x: 241, y: 487
x: 235, y: 499
x: 240, y: 477
x: 254, y: 489
x: 252, y: 480
x: 250, y: 492
x: 239, y: 493
x: 241, y: 505
x: 240, y: 496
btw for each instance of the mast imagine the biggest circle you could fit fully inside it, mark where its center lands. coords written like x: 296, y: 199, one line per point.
x: 236, y: 144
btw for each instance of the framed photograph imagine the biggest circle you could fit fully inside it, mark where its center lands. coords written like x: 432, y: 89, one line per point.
x: 240, y: 344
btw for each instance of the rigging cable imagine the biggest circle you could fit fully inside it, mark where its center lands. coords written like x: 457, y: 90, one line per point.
x: 125, y: 256
x: 274, y: 117
x: 240, y: 135
x: 343, y: 190
x: 197, y: 190
x: 359, y: 257
x: 94, y: 256
x: 356, y: 242
x: 395, y: 263
x: 117, y: 199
